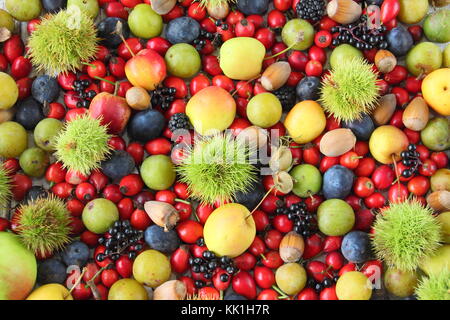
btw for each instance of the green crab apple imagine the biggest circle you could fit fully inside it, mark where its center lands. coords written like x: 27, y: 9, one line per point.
x: 183, y: 60
x: 264, y: 110
x: 144, y: 22
x: 13, y: 139
x: 99, y: 215
x: 424, y: 58
x: 158, y: 172
x: 335, y: 217
x: 34, y: 162
x: 6, y: 20
x: 307, y: 180
x: 18, y: 268
x: 24, y: 10
x: 344, y: 52
x: 298, y: 34
x: 210, y: 110
x: 241, y: 58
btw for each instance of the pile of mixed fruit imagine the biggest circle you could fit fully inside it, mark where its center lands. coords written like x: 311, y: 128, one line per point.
x: 219, y: 149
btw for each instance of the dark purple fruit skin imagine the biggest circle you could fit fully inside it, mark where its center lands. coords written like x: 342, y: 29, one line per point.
x: 45, y: 89
x: 356, y: 247
x: 182, y: 30
x: 106, y: 30
x: 160, y: 240
x: 308, y: 88
x: 120, y: 164
x: 249, y: 7
x: 362, y: 128
x: 51, y: 271
x: 337, y: 182
x: 29, y: 113
x: 251, y: 198
x: 146, y: 125
x: 35, y: 192
x: 53, y: 6
x: 399, y: 40
x: 76, y: 253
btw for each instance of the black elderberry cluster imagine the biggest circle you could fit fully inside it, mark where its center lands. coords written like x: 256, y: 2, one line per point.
x: 163, y: 96
x: 319, y: 286
x: 287, y: 97
x: 359, y: 35
x: 121, y: 239
x: 178, y: 121
x: 312, y: 10
x: 304, y: 223
x: 208, y: 264
x: 84, y: 97
x: 410, y: 158
x: 200, y: 42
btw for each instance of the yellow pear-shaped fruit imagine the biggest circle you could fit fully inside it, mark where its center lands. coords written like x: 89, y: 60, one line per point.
x: 9, y: 92
x: 210, y: 110
x: 386, y: 143
x: 229, y: 230
x: 52, y: 291
x: 127, y: 289
x: 353, y: 285
x: 241, y: 58
x: 436, y: 90
x: 437, y: 262
x: 305, y: 121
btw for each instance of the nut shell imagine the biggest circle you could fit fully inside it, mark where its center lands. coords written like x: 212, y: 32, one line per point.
x: 336, y: 142
x: 276, y: 75
x: 385, y: 109
x: 416, y: 114
x: 292, y: 247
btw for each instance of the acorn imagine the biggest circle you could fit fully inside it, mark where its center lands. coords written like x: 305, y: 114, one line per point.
x: 162, y: 214
x: 439, y: 201
x: 385, y: 109
x: 336, y: 142
x: 344, y: 11
x: 283, y: 182
x: 291, y: 247
x: 138, y: 98
x: 170, y: 290
x: 385, y: 61
x: 281, y: 159
x: 163, y: 6
x: 276, y: 75
x: 416, y: 114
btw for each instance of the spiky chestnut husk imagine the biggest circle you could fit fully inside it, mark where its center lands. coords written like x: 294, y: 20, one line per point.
x: 216, y: 168
x: 44, y: 225
x: 5, y: 187
x: 350, y: 90
x: 82, y: 144
x: 63, y: 41
x: 435, y: 287
x: 405, y: 233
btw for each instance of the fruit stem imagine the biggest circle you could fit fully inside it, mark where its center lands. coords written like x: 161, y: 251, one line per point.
x: 282, y: 294
x: 182, y: 201
x: 91, y: 283
x: 300, y: 39
x: 248, y: 81
x: 116, y: 87
x: 263, y: 256
x: 76, y: 282
x: 106, y: 80
x: 89, y: 64
x: 257, y: 206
